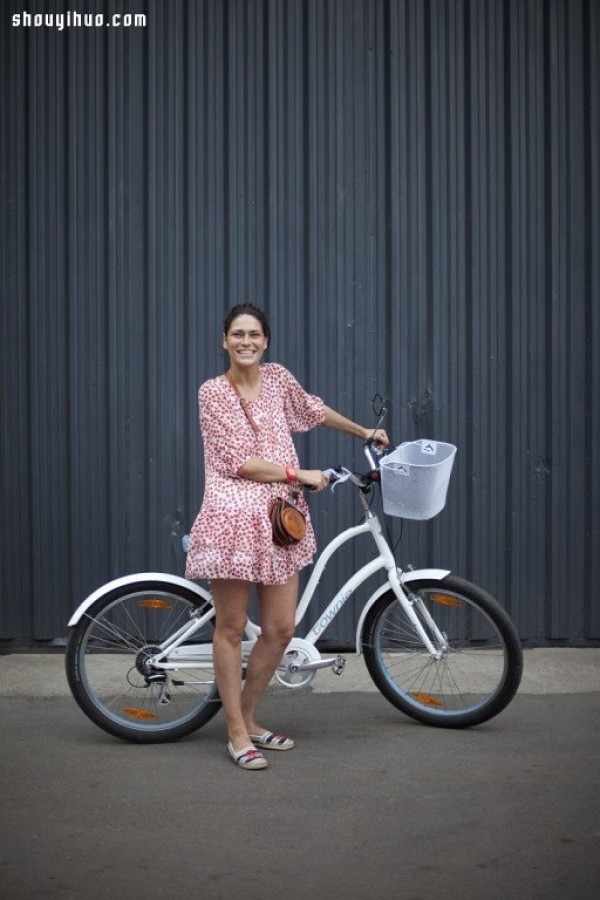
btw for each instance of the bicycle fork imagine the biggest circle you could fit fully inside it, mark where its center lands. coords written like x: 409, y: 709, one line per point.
x: 407, y: 600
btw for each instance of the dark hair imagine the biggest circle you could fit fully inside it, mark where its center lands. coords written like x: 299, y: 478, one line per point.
x: 247, y: 309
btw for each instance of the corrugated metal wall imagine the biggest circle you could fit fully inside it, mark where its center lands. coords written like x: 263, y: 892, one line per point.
x: 412, y: 190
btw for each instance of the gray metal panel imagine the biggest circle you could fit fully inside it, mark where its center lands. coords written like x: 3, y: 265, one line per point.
x: 411, y: 189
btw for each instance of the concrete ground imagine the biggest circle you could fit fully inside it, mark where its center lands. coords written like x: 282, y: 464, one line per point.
x: 369, y: 804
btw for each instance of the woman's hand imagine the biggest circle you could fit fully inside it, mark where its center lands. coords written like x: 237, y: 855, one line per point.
x: 313, y: 479
x: 379, y: 436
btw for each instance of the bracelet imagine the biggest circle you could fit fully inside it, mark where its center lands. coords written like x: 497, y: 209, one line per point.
x: 290, y: 475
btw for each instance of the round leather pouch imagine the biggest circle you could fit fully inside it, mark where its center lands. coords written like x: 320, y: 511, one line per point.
x: 289, y: 524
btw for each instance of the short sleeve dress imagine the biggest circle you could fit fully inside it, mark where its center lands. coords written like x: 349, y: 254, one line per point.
x: 232, y: 535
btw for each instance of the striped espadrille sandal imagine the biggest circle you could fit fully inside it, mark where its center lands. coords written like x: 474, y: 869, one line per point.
x: 271, y: 741
x: 248, y: 758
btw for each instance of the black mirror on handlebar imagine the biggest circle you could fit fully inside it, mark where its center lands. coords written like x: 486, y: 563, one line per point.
x: 370, y: 446
x: 379, y: 408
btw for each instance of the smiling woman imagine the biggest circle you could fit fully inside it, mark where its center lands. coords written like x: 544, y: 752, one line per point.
x: 246, y: 334
x: 247, y: 417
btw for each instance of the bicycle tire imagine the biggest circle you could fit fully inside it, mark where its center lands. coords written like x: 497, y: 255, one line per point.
x: 478, y: 674
x: 105, y: 656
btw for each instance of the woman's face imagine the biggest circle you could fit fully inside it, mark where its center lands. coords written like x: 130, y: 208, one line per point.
x: 245, y: 341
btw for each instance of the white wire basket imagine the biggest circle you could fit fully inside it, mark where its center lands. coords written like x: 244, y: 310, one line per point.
x: 415, y: 478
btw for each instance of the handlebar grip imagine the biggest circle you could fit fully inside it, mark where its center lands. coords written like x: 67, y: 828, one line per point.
x: 378, y: 446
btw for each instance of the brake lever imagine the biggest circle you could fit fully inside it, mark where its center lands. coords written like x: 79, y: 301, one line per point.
x: 338, y: 476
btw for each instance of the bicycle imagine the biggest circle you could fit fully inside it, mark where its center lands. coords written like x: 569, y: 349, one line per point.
x: 440, y: 649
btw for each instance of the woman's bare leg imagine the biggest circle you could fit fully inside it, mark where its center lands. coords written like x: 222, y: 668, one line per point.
x: 231, y: 603
x: 277, y: 622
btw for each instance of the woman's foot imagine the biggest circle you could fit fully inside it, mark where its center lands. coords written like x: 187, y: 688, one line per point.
x: 247, y: 758
x: 269, y: 740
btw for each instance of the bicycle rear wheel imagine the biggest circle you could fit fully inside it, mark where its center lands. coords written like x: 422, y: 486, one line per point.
x: 481, y: 666
x: 108, y: 673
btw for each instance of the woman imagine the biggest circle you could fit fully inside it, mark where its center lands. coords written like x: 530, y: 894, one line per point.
x: 247, y: 417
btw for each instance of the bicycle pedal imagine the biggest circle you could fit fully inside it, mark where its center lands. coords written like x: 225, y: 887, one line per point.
x: 338, y: 665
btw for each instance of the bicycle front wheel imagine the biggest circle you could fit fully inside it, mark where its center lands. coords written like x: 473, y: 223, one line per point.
x: 108, y: 671
x: 480, y: 667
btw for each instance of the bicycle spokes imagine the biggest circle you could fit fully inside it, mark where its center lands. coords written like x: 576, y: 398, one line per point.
x: 475, y: 674
x: 123, y: 678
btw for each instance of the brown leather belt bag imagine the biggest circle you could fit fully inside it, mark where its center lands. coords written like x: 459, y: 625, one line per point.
x: 289, y: 524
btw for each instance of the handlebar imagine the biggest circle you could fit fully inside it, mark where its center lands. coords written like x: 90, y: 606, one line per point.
x: 370, y: 447
x: 340, y: 474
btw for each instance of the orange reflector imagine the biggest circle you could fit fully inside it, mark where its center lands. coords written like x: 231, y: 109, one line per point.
x: 139, y: 713
x: 428, y: 700
x: 154, y: 603
x: 445, y: 600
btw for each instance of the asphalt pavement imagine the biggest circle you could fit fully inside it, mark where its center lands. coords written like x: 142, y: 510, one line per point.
x: 368, y: 805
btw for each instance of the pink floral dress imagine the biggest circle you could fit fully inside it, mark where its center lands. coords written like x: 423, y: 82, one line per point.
x: 232, y: 535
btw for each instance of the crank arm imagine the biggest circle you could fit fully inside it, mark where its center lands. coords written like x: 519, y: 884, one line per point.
x: 332, y: 663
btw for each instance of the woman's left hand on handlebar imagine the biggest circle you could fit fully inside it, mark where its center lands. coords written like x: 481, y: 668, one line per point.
x: 380, y: 437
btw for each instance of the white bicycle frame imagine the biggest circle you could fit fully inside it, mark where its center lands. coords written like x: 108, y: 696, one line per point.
x: 175, y: 653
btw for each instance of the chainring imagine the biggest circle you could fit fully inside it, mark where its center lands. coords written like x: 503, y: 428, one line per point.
x: 298, y: 653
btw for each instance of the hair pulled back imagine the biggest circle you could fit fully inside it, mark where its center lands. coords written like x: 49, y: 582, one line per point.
x: 247, y: 309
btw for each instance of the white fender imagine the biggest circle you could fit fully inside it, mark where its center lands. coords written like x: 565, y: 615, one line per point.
x: 413, y: 575
x: 160, y: 577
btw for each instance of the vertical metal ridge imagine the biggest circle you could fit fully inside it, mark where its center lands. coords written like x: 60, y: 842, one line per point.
x: 592, y: 268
